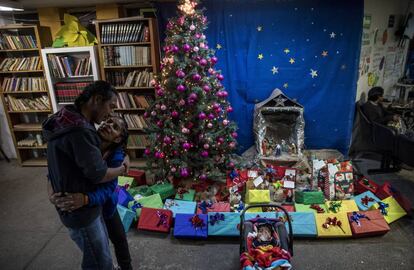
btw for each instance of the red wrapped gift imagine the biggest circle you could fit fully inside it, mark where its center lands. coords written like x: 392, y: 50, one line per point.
x: 237, y: 178
x: 365, y: 184
x: 288, y: 207
x: 215, y: 207
x: 387, y: 190
x: 152, y: 219
x: 367, y: 223
x: 139, y: 176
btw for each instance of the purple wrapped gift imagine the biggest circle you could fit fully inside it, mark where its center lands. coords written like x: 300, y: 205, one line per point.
x: 190, y: 226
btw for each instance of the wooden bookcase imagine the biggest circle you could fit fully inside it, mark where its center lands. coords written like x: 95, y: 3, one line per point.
x: 104, y: 29
x: 25, y: 124
x: 74, y: 83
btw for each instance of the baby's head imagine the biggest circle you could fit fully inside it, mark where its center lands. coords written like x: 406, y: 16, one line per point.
x: 114, y: 130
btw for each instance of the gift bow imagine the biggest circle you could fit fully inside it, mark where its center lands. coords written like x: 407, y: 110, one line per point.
x: 181, y: 192
x: 204, y: 205
x: 162, y: 219
x: 382, y: 207
x: 335, y: 206
x: 216, y: 218
x: 135, y: 206
x: 356, y: 217
x: 366, y: 200
x: 170, y: 204
x: 278, y: 184
x: 233, y: 174
x: 317, y: 208
x: 333, y: 222
x: 197, y: 222
x: 367, y: 183
x: 270, y: 170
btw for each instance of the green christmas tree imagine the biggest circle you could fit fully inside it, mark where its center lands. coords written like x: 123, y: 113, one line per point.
x: 189, y: 132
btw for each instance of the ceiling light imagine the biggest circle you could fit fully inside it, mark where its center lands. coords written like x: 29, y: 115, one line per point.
x: 10, y: 6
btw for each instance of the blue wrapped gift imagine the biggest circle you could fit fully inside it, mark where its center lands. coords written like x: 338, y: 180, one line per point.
x: 303, y: 223
x: 180, y: 207
x: 271, y: 215
x: 190, y: 226
x: 365, y: 200
x: 124, y: 197
x: 223, y: 223
x: 126, y: 215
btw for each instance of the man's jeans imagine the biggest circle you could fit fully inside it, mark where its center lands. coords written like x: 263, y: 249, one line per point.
x: 93, y: 242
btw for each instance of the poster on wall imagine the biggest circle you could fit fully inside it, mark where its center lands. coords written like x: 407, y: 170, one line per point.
x: 365, y: 60
x: 389, y: 67
x: 367, y: 21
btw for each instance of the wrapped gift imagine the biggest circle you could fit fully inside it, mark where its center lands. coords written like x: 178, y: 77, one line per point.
x: 303, y: 223
x: 223, y: 224
x: 138, y: 175
x: 327, y: 175
x: 127, y: 216
x: 257, y: 196
x: 144, y: 191
x: 309, y: 197
x: 204, y: 207
x: 185, y: 194
x: 314, y: 208
x: 126, y: 182
x: 164, y: 189
x: 333, y: 225
x: 365, y: 200
x: 124, y: 197
x: 191, y: 226
x: 387, y: 190
x: 152, y: 201
x: 341, y: 206
x: 367, y: 223
x: 365, y: 184
x: 237, y: 178
x: 180, y: 207
x: 287, y: 207
x: 159, y: 220
x: 344, y: 185
x: 390, y: 209
x: 270, y: 215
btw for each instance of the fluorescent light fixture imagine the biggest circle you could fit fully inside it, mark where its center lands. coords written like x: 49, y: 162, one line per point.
x: 10, y: 6
x: 3, y: 8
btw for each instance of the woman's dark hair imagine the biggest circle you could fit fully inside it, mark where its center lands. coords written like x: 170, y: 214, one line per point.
x: 375, y: 93
x: 97, y: 88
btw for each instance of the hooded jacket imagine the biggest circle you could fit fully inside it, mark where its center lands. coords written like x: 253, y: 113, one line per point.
x: 75, y: 161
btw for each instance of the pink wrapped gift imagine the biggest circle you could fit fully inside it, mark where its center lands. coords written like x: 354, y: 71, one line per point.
x: 215, y: 207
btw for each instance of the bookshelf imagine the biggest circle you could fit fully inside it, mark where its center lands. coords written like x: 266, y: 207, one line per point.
x: 68, y: 70
x: 129, y: 57
x: 24, y: 91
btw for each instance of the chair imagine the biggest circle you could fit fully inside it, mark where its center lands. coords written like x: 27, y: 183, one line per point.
x: 405, y: 150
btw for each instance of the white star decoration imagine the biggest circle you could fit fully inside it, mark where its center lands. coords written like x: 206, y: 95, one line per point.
x: 260, y: 56
x: 287, y: 51
x: 259, y: 28
x: 286, y: 85
x: 280, y: 101
x: 313, y: 73
x: 324, y: 53
x: 275, y: 70
x: 292, y: 61
x: 332, y: 35
x: 218, y: 46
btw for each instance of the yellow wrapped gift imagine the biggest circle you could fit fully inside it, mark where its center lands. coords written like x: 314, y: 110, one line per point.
x: 343, y: 206
x: 254, y: 209
x: 257, y: 196
x: 333, y: 225
x: 390, y: 209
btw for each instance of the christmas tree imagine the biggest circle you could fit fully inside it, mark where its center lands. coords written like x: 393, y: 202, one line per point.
x: 189, y: 132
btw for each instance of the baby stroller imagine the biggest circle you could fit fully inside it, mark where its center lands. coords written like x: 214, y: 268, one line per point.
x: 259, y: 253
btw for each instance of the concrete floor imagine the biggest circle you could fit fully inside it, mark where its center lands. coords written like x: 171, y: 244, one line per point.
x: 32, y: 237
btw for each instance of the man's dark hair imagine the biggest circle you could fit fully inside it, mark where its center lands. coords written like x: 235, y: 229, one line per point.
x: 375, y: 93
x: 97, y: 88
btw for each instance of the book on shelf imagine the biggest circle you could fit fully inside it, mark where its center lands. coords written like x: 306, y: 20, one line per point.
x: 24, y: 84
x: 131, y: 101
x: 66, y: 66
x: 130, y: 79
x: 138, y: 141
x: 135, y: 121
x: 68, y: 92
x: 124, y: 32
x: 13, y: 41
x: 28, y: 104
x: 126, y: 55
x: 21, y: 64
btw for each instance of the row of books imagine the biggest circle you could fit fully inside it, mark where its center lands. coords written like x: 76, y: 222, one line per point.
x: 28, y: 104
x: 138, y: 141
x: 24, y: 84
x: 135, y: 121
x: 16, y: 42
x: 131, y: 101
x: 126, y: 55
x: 68, y: 92
x: 139, y: 79
x: 64, y: 66
x: 21, y: 64
x: 124, y: 33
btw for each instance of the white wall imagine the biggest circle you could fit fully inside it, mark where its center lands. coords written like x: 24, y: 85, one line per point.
x: 380, y: 10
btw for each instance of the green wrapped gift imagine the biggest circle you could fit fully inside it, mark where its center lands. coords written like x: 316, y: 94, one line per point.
x: 141, y: 190
x: 309, y: 197
x: 164, y: 189
x: 126, y: 182
x: 310, y: 208
x: 185, y: 194
x: 152, y: 201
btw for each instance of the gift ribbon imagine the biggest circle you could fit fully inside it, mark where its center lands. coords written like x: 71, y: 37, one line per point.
x: 170, y: 204
x: 318, y: 209
x: 162, y: 219
x: 366, y: 200
x: 204, y: 205
x: 181, y: 192
x: 135, y: 206
x: 197, y: 222
x: 216, y: 218
x: 278, y: 184
x: 333, y: 222
x: 367, y: 183
x: 356, y: 218
x: 233, y: 174
x: 335, y: 206
x: 382, y: 207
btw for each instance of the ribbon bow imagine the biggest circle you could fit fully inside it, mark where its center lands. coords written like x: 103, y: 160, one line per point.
x: 204, y: 205
x: 335, y: 206
x: 197, y: 222
x: 181, y: 192
x: 135, y: 206
x: 333, y: 222
x: 233, y: 174
x: 366, y: 200
x: 216, y: 218
x: 382, y: 207
x: 162, y: 219
x: 318, y: 209
x: 367, y: 183
x: 356, y: 217
x: 170, y: 204
x: 270, y: 170
x: 278, y: 184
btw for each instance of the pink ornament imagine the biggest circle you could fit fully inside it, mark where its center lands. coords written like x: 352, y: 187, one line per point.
x: 160, y: 123
x: 209, y: 125
x: 173, y: 169
x: 153, y: 113
x: 220, y: 139
x: 181, y: 88
x: 206, y: 47
x: 211, y: 71
x: 196, y: 49
x: 163, y: 107
x: 170, y: 26
x: 196, y: 77
x: 174, y: 49
x: 160, y: 93
x: 197, y: 35
x: 232, y: 144
x: 184, y: 172
x: 229, y: 109
x: 202, y: 116
x: 216, y: 105
x: 185, y: 130
x: 181, y: 20
x: 206, y: 88
x: 167, y: 140
x: 211, y: 116
x: 181, y: 102
x: 176, y: 153
x: 202, y: 45
x: 147, y: 152
x: 174, y: 114
x: 162, y: 155
x: 203, y: 36
x: 180, y: 74
x: 166, y: 48
x: 153, y: 82
x: 157, y: 106
x: 213, y: 60
x: 186, y: 146
x: 192, y: 27
x: 203, y: 62
x: 203, y: 177
x: 204, y: 154
x: 220, y: 77
x: 200, y: 136
x: 157, y: 154
x: 146, y: 114
x: 186, y: 48
x: 234, y: 134
x: 231, y: 164
x: 193, y: 96
x: 225, y: 122
x: 206, y: 146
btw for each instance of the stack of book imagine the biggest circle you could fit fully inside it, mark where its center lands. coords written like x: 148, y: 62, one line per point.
x: 68, y: 92
x: 21, y: 64
x: 24, y: 84
x: 28, y: 104
x: 124, y: 33
x: 16, y: 42
x: 126, y: 55
x: 130, y: 101
x: 64, y: 66
x: 137, y: 141
x: 135, y: 121
x: 130, y: 79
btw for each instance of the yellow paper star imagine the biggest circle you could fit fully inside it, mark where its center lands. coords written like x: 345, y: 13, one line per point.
x: 287, y: 51
x: 286, y: 85
x: 292, y: 61
x: 313, y: 73
x: 275, y: 70
x: 260, y: 57
x: 324, y: 53
x: 218, y: 46
x: 259, y: 28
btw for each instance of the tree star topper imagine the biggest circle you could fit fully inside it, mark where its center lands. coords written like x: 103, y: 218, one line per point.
x: 260, y: 57
x: 275, y: 70
x: 188, y: 7
x: 313, y: 73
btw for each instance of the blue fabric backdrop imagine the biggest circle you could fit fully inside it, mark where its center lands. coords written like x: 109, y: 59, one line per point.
x: 310, y: 51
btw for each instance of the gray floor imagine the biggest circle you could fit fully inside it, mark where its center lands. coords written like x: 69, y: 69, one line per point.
x: 32, y: 236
